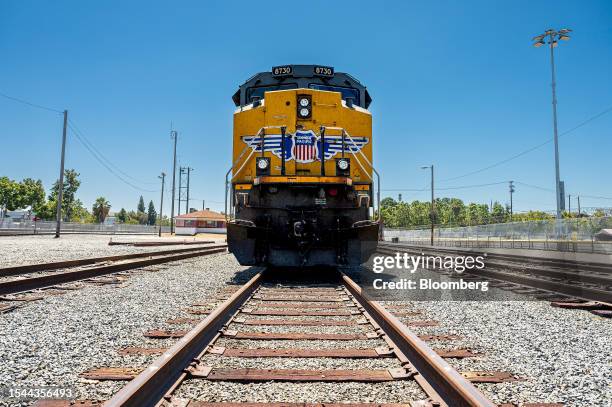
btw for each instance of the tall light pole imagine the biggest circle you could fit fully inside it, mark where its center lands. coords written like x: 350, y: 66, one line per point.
x: 174, y: 136
x: 433, y: 208
x: 511, y: 189
x: 552, y: 37
x: 161, y: 202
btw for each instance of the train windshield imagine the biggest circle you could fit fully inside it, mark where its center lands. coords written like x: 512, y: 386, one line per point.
x: 258, y: 92
x: 347, y: 93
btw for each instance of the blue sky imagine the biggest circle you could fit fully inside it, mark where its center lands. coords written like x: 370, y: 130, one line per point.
x: 456, y: 84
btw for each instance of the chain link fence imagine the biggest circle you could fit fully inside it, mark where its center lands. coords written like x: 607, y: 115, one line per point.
x: 589, y: 234
x: 28, y: 227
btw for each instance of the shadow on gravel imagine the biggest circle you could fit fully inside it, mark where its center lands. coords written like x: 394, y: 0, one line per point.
x: 243, y: 276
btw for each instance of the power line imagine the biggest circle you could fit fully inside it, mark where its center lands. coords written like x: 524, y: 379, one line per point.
x: 447, y: 188
x: 109, y: 162
x: 522, y: 153
x: 25, y: 102
x: 101, y: 161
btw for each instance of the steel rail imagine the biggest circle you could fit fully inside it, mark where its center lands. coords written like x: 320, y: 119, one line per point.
x: 584, y: 276
x: 33, y: 268
x: 565, y: 288
x: 28, y: 284
x: 454, y: 389
x: 589, y: 266
x: 150, y: 386
x: 156, y: 383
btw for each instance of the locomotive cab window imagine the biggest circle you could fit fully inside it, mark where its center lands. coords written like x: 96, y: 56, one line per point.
x: 347, y: 93
x: 258, y: 92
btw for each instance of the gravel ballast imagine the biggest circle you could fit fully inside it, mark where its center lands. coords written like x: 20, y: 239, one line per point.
x: 560, y: 355
x: 51, y: 341
x: 18, y: 250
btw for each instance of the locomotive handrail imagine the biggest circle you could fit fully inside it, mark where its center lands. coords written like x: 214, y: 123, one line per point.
x: 346, y: 133
x: 227, y: 181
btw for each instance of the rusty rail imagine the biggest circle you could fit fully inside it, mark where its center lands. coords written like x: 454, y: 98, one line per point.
x: 32, y: 283
x: 441, y: 382
x: 449, y: 385
x: 33, y: 268
x: 559, y: 281
x: 149, y: 387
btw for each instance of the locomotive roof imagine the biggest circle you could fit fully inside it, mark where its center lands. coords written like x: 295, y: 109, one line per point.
x: 302, y: 76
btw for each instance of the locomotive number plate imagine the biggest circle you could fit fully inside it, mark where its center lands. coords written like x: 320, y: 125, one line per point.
x: 324, y: 71
x: 282, y: 70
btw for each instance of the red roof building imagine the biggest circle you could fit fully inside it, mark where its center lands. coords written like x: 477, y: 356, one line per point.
x: 205, y: 221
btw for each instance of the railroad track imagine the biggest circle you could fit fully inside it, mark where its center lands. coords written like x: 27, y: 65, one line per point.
x: 566, y: 283
x: 24, y: 278
x: 265, y: 311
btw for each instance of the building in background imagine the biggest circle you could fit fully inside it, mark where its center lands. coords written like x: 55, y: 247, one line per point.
x: 205, y: 221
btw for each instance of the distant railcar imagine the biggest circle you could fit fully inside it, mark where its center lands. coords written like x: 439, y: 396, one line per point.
x: 301, y: 187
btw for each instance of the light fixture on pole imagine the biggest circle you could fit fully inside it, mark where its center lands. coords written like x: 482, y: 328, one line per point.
x: 552, y: 37
x: 432, y: 214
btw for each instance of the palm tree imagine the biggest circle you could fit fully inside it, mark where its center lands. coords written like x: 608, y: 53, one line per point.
x: 100, y: 209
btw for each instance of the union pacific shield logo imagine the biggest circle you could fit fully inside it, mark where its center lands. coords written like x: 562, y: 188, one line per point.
x: 305, y: 146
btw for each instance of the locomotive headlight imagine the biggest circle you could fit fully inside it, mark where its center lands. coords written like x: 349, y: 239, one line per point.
x: 343, y: 167
x: 263, y: 166
x: 304, y: 106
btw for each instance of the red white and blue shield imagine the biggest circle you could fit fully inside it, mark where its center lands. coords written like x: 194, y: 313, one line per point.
x: 305, y: 146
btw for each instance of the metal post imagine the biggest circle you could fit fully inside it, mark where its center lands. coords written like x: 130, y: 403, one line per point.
x: 161, y: 203
x: 283, y: 129
x: 322, y: 151
x: 554, y: 104
x: 180, y: 187
x: 578, y: 205
x: 203, y: 204
x: 433, y: 208
x: 174, y: 135
x: 60, y: 192
x: 569, y: 204
x: 189, y: 169
x: 511, y: 192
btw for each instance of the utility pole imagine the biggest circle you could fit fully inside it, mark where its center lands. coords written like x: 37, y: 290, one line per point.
x: 511, y: 187
x: 433, y: 208
x: 553, y: 38
x: 569, y: 204
x: 179, y: 189
x: 189, y: 169
x: 174, y: 136
x: 161, y: 202
x: 203, y: 204
x: 578, y: 205
x: 60, y: 192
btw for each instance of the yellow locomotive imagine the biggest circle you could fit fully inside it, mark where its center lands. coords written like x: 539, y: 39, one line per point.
x: 301, y: 186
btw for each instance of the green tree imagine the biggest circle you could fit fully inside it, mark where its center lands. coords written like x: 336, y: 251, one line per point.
x: 122, y: 215
x: 151, y: 214
x: 70, y: 187
x: 100, y: 209
x: 8, y: 193
x: 31, y: 193
x: 141, y: 205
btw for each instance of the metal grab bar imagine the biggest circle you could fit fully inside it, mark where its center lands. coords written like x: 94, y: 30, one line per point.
x: 346, y: 134
x: 261, y: 131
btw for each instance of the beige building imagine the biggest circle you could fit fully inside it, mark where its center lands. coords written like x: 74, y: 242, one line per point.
x: 205, y: 221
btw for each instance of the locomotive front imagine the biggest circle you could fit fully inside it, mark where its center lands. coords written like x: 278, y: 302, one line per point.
x: 301, y: 187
